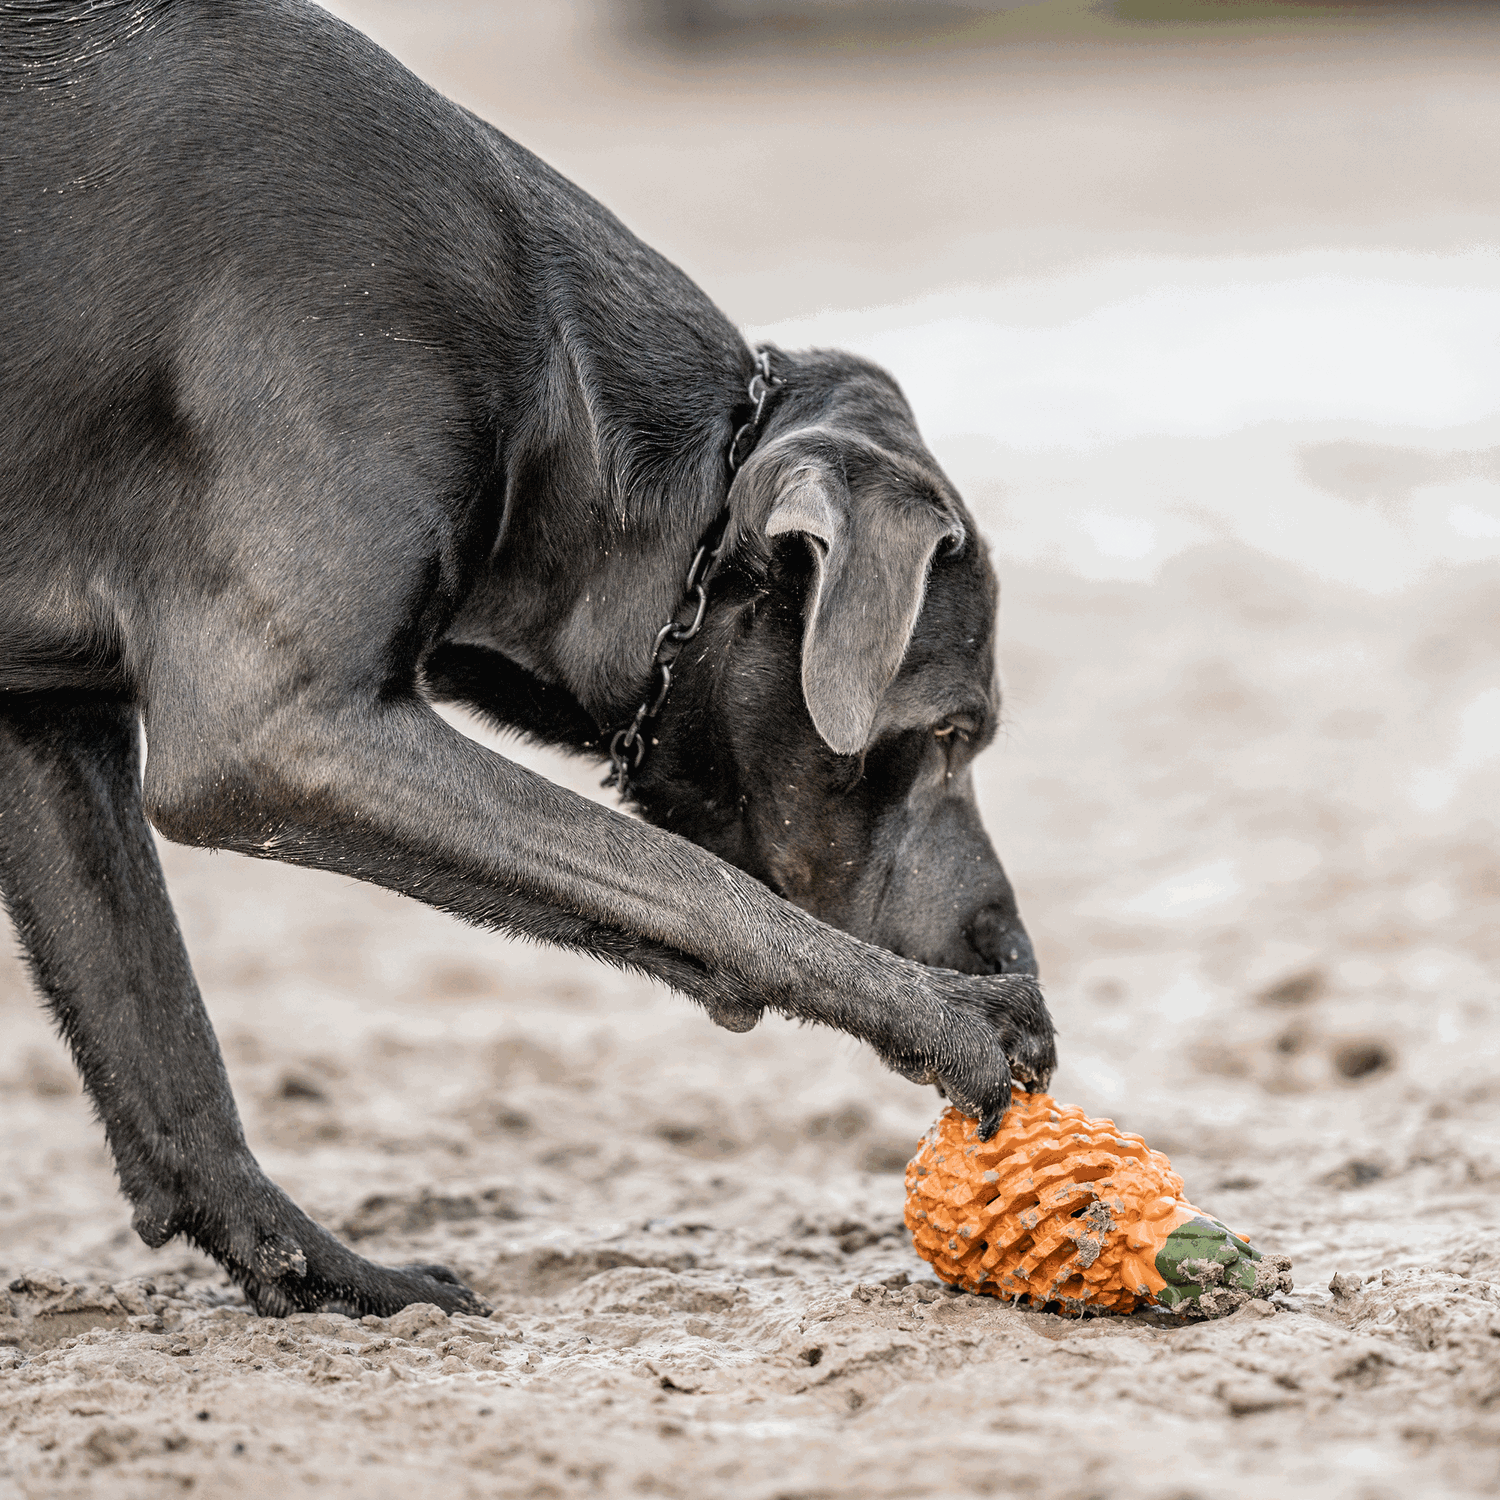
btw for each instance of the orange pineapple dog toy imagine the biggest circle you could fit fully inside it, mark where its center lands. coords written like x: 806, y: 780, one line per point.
x: 1071, y: 1215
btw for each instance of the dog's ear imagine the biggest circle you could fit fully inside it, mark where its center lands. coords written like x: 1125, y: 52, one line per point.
x: 870, y: 563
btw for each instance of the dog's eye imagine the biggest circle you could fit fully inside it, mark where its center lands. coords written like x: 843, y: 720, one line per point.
x: 945, y: 730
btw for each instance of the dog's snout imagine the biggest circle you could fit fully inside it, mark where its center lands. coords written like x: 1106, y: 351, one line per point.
x: 999, y: 938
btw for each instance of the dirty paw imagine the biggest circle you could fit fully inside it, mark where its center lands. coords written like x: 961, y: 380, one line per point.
x: 286, y: 1263
x: 994, y: 1032
x: 359, y: 1287
x: 1013, y: 1006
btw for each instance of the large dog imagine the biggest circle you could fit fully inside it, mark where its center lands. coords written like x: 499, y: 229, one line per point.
x: 322, y: 400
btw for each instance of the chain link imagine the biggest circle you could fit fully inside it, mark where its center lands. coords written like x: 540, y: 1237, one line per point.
x: 627, y: 749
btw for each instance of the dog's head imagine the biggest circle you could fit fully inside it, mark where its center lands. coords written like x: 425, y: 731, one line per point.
x: 823, y: 726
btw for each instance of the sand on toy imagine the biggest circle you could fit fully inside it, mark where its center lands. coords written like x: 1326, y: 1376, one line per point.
x: 1070, y: 1214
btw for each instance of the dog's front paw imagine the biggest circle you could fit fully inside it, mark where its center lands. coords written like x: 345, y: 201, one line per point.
x: 1013, y: 1005
x: 981, y: 1088
x: 334, y: 1279
x: 994, y: 1030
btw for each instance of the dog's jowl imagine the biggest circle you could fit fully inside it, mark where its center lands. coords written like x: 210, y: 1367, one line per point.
x: 322, y: 400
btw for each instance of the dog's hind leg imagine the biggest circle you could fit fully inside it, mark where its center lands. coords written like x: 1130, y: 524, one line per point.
x: 80, y: 876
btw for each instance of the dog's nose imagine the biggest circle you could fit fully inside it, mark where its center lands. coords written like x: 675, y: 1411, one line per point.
x: 999, y: 938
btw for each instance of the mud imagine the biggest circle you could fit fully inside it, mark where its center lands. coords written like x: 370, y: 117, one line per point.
x: 1273, y: 1277
x: 1251, y: 814
x: 693, y: 1240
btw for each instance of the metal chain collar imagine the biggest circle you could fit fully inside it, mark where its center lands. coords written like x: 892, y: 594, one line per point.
x: 628, y: 747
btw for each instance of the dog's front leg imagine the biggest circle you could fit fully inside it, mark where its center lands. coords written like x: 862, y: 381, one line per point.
x: 387, y: 792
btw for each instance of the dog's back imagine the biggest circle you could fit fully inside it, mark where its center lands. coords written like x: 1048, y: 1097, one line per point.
x: 246, y: 245
x: 180, y: 180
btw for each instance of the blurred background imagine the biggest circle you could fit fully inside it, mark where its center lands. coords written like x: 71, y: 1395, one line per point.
x: 1199, y: 304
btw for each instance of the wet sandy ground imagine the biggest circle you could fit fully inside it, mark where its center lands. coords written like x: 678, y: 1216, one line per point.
x: 1263, y: 955
x: 1252, y: 819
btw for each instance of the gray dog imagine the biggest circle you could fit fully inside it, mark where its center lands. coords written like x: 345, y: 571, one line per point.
x: 324, y: 400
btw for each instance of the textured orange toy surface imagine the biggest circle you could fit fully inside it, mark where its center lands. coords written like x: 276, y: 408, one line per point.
x: 1070, y: 1213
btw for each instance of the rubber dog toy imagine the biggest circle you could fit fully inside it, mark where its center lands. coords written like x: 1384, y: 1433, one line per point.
x: 1068, y: 1214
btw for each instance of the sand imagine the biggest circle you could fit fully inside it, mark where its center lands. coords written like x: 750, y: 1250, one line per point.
x: 693, y: 1241
x: 1251, y: 816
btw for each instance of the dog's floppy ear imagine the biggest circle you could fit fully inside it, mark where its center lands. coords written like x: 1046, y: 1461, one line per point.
x: 870, y: 564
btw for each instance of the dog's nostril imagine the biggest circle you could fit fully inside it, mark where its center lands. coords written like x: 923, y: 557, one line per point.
x: 997, y: 936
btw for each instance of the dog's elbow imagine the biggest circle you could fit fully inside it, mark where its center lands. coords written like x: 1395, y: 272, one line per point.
x: 218, y: 798
x: 213, y: 808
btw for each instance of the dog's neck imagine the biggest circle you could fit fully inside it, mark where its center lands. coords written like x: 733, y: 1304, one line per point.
x: 621, y: 447
x: 657, y: 502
